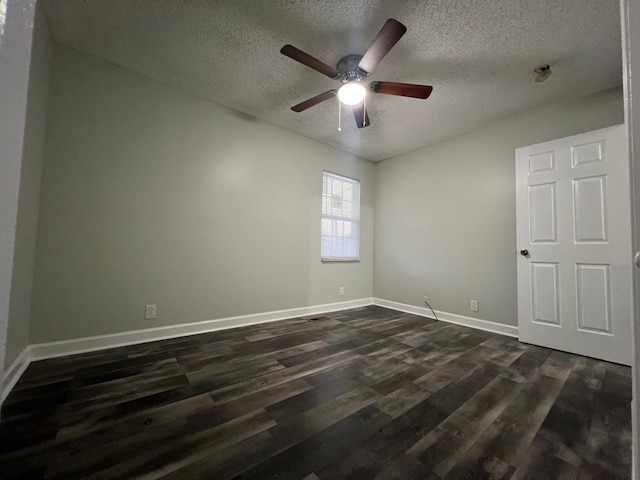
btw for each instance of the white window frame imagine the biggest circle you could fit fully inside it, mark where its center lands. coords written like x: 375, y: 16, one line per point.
x: 334, y: 255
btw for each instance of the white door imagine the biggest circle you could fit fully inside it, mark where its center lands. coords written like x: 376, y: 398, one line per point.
x: 574, y: 245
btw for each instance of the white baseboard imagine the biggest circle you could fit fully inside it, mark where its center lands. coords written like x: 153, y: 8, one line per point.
x: 14, y: 372
x: 88, y: 344
x: 62, y: 348
x: 477, y: 323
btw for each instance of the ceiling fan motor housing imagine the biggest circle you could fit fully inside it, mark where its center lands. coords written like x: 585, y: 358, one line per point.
x: 348, y: 68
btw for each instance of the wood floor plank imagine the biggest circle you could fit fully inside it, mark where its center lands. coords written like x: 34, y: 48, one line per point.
x: 453, y: 437
x: 229, y: 462
x: 406, y: 466
x: 108, y: 461
x: 401, y: 400
x: 385, y: 445
x: 248, y: 386
x: 311, y: 454
x: 512, y: 432
x: 132, y: 424
x: 540, y: 463
x: 474, y: 463
x: 366, y: 393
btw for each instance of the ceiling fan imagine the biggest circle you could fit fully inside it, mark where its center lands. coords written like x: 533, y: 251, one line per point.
x: 353, y: 69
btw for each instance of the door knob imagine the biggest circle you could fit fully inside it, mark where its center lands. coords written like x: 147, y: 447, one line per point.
x: 524, y: 252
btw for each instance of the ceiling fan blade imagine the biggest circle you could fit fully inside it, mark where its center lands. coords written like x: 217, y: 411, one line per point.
x: 401, y: 89
x: 361, y: 115
x: 387, y: 37
x: 313, y: 101
x: 311, y: 62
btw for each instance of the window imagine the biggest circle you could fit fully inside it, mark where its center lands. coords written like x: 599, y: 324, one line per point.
x: 340, y: 237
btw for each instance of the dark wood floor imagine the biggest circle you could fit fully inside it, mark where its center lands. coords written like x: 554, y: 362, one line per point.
x: 368, y: 393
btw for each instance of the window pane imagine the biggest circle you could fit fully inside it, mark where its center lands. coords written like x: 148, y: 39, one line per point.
x: 326, y: 227
x: 340, y: 217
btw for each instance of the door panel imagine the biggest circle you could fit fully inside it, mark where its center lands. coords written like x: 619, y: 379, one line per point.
x: 590, y: 209
x: 586, y: 154
x: 594, y: 298
x: 542, y: 162
x: 573, y: 218
x: 544, y: 283
x: 542, y: 213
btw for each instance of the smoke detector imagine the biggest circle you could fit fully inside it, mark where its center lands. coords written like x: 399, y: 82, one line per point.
x: 543, y: 72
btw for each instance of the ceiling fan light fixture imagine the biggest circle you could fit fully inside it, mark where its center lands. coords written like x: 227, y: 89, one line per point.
x: 352, y: 93
x: 542, y: 73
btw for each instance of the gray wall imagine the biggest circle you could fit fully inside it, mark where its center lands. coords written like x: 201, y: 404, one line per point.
x: 151, y: 195
x: 445, y: 218
x: 27, y: 219
x: 15, y: 51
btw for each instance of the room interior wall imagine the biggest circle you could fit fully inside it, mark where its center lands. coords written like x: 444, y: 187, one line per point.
x: 445, y: 216
x: 16, y: 27
x: 29, y: 193
x: 153, y: 196
x: 232, y: 226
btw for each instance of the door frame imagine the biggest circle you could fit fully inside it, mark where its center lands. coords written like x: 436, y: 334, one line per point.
x: 630, y: 28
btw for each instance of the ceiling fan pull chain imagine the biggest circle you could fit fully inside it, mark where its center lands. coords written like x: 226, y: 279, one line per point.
x: 364, y: 111
x: 339, y: 115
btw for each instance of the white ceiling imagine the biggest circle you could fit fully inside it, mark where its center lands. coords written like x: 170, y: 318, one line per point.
x: 478, y: 55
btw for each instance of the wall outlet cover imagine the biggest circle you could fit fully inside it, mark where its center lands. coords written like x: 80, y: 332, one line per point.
x: 150, y: 311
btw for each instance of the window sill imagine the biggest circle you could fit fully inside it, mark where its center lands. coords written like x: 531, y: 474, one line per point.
x: 340, y: 260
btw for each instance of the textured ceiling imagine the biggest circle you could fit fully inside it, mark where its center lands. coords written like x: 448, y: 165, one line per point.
x: 478, y: 55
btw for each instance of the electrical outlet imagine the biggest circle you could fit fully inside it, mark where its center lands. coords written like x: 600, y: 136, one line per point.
x: 150, y: 311
x: 342, y: 291
x: 474, y: 306
x: 425, y: 298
